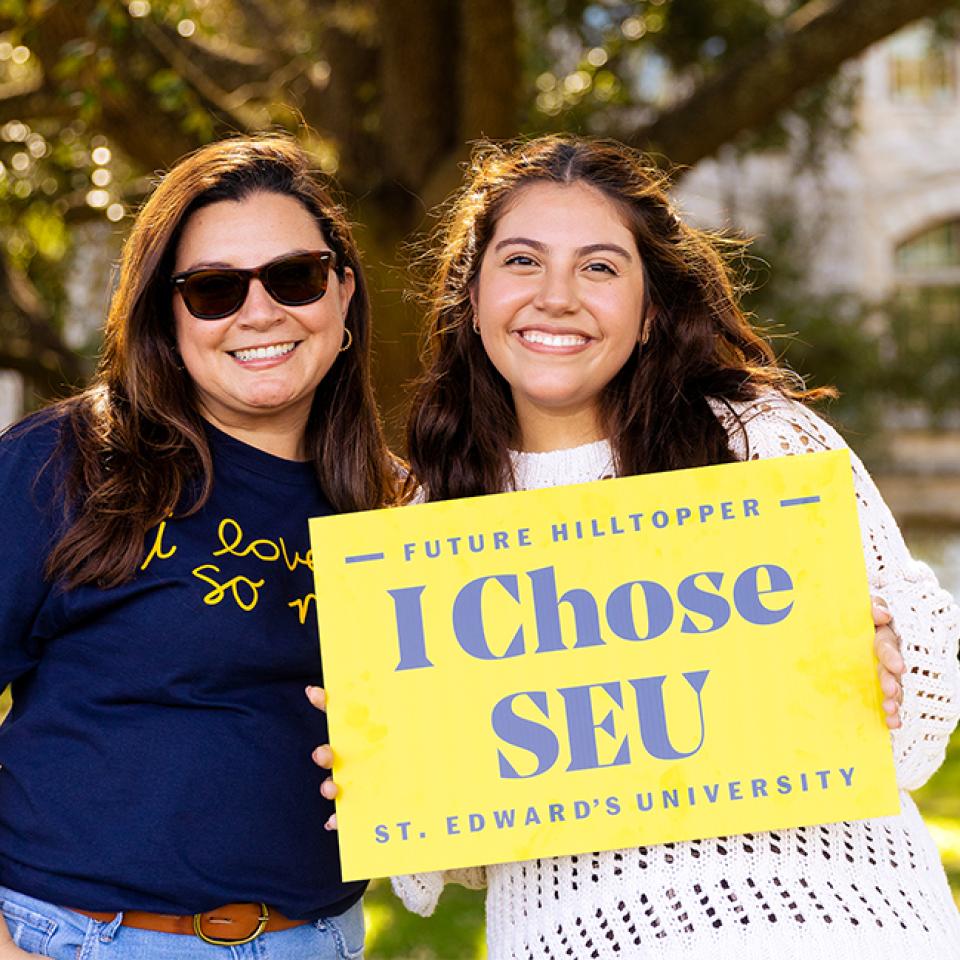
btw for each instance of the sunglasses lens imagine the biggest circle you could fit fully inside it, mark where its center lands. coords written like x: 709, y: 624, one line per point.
x: 297, y: 280
x: 212, y: 294
x: 293, y: 281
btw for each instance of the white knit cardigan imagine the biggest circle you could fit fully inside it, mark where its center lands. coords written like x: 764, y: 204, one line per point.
x: 870, y: 888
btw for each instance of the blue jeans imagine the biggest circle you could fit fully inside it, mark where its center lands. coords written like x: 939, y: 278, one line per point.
x: 52, y: 931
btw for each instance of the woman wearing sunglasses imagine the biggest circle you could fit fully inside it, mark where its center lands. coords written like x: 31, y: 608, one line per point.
x: 157, y: 796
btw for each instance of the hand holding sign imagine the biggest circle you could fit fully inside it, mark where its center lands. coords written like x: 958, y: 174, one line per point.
x: 323, y: 755
x: 890, y: 664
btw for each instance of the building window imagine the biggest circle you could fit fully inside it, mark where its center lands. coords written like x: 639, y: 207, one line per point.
x: 925, y: 314
x: 922, y: 66
x: 936, y: 249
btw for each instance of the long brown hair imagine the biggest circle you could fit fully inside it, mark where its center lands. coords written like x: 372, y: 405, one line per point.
x: 135, y: 441
x: 697, y: 342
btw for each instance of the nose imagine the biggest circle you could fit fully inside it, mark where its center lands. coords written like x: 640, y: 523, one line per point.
x: 557, y: 294
x: 259, y: 310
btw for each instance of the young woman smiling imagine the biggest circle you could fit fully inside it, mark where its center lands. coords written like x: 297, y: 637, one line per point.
x: 156, y: 793
x: 578, y: 329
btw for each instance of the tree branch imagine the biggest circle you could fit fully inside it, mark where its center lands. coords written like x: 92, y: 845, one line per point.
x: 19, y: 102
x: 264, y: 21
x: 229, y: 64
x: 207, y: 89
x: 762, y: 81
x: 152, y: 144
x: 29, y: 342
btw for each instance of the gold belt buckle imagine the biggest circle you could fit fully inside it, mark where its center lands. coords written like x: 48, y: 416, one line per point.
x: 218, y: 942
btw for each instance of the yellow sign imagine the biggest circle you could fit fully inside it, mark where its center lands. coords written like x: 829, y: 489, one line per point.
x: 590, y: 667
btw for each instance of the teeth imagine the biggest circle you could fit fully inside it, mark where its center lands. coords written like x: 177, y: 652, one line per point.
x: 553, y: 340
x: 264, y: 353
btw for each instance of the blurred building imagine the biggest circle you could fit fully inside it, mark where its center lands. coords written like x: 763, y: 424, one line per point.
x: 11, y: 396
x: 879, y: 214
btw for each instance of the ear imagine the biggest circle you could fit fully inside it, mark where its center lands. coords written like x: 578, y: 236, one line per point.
x: 472, y: 290
x: 347, y: 286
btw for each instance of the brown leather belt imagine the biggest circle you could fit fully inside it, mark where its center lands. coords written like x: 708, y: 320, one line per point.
x: 232, y: 924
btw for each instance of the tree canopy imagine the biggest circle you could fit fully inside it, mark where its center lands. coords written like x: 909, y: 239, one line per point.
x: 98, y: 95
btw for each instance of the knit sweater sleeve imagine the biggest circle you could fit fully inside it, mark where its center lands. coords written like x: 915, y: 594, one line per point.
x: 421, y: 891
x: 924, y: 615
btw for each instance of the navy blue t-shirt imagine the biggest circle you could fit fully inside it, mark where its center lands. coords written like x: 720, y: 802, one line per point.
x: 157, y: 755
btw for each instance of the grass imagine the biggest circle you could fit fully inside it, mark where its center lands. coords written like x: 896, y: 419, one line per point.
x: 454, y: 932
x: 939, y: 802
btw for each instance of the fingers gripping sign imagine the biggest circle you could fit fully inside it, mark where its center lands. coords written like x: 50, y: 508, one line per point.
x: 890, y: 663
x: 323, y: 755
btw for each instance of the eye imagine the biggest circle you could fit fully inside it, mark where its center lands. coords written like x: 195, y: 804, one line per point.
x: 599, y: 266
x: 520, y: 260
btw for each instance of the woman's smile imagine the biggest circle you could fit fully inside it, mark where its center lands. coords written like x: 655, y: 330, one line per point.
x: 264, y: 356
x: 553, y: 341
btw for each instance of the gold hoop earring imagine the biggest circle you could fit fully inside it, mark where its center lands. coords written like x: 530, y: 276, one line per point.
x: 349, y: 342
x: 476, y: 327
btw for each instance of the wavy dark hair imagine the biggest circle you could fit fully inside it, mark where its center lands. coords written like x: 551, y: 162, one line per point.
x: 697, y: 341
x: 134, y: 439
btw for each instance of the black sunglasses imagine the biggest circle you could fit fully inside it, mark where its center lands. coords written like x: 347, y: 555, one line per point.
x: 212, y: 293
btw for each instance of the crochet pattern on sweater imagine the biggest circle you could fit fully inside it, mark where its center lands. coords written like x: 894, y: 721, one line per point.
x: 870, y: 888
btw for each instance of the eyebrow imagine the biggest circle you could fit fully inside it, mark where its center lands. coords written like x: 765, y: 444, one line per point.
x: 581, y: 251
x: 206, y: 265
x: 221, y: 264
